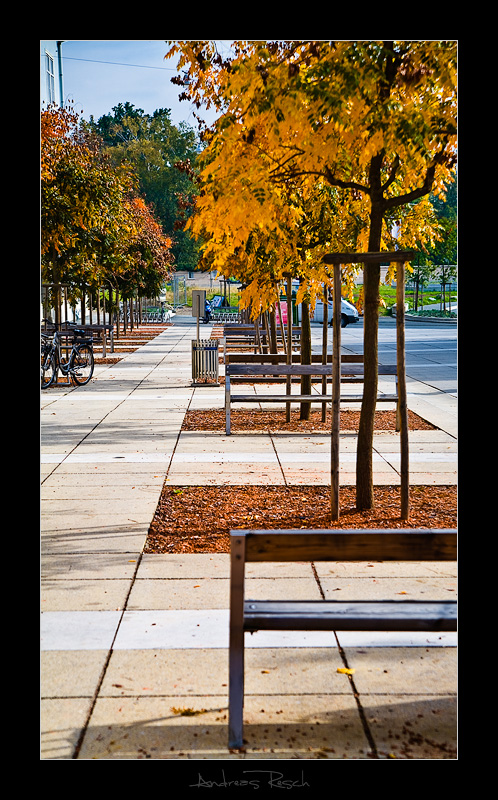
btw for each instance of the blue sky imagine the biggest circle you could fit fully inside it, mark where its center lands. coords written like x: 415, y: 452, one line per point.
x: 99, y: 74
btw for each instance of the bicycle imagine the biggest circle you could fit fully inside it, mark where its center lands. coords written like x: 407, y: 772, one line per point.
x: 79, y: 365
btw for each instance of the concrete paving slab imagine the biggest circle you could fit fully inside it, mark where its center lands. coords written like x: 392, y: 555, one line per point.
x: 285, y: 727
x: 186, y: 565
x: 192, y: 443
x: 182, y: 593
x: 61, y: 721
x: 82, y: 566
x: 193, y: 629
x: 104, y: 522
x: 384, y: 569
x: 412, y: 670
x: 83, y: 595
x: 405, y: 588
x: 107, y: 537
x: 81, y: 630
x: 120, y: 470
x: 198, y: 672
x: 420, y: 726
x: 252, y: 475
x: 103, y: 506
x: 71, y: 674
x: 60, y: 489
x: 434, y: 479
x: 212, y: 593
x: 110, y: 457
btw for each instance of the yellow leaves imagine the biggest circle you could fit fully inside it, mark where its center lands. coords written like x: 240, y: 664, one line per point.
x: 345, y: 671
x: 188, y: 712
x: 294, y: 123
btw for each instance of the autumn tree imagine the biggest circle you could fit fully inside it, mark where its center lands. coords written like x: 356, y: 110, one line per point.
x: 94, y: 228
x: 374, y: 120
x: 81, y: 200
x: 163, y: 156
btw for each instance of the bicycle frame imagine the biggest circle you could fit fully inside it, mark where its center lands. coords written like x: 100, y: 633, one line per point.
x: 67, y: 368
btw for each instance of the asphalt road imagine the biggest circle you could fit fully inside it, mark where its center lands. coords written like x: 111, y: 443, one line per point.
x: 431, y: 350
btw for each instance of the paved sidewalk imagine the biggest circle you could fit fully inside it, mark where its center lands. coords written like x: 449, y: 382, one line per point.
x: 134, y: 657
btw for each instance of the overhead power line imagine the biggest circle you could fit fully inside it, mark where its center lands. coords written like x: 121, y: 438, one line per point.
x: 118, y: 64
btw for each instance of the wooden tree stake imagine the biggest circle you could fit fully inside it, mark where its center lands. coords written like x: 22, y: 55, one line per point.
x: 336, y: 394
x: 402, y: 409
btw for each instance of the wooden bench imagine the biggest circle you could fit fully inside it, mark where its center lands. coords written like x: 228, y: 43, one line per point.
x: 351, y: 372
x: 281, y: 358
x: 246, y: 335
x: 96, y: 332
x: 328, y: 615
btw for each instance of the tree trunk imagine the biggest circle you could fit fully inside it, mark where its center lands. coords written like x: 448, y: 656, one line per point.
x: 371, y: 281
x: 273, y: 332
x: 305, y: 356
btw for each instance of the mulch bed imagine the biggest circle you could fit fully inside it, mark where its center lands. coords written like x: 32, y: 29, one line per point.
x: 253, y: 420
x: 197, y: 519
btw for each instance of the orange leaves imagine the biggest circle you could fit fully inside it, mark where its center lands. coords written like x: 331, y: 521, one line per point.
x: 91, y: 221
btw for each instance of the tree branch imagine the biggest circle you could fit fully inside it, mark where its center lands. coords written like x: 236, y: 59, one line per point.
x: 343, y: 184
x: 409, y: 197
x: 392, y: 175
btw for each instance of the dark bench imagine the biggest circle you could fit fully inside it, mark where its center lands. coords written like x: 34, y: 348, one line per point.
x: 328, y: 615
x: 95, y: 332
x: 246, y: 335
x: 248, y: 373
x: 281, y: 358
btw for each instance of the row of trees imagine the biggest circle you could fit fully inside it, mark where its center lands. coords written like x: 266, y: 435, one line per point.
x: 321, y: 147
x: 112, y: 202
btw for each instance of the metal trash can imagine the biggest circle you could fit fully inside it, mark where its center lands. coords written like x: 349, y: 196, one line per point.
x: 205, y: 363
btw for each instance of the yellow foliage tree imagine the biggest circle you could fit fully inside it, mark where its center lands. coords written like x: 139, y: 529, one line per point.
x: 374, y: 121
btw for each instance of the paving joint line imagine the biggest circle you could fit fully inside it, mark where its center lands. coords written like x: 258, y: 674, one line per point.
x: 356, y: 694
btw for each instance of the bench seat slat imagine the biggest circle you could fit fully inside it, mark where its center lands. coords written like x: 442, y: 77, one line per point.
x: 361, y: 615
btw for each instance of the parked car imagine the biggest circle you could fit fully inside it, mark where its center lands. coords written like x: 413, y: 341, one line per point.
x: 349, y: 314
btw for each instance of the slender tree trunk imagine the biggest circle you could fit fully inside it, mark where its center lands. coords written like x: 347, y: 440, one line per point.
x: 273, y: 332
x: 371, y: 281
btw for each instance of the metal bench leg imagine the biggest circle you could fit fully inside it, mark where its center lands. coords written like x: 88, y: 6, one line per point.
x: 236, y: 690
x: 227, y: 405
x: 236, y: 645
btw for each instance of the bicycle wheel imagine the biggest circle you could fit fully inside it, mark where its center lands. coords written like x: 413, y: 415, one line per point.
x: 48, y: 367
x: 83, y: 363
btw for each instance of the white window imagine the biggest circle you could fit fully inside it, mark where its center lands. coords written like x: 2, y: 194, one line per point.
x: 49, y: 61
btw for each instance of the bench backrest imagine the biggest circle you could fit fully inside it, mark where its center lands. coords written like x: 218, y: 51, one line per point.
x: 302, y: 369
x: 281, y: 358
x: 250, y: 330
x: 344, y: 545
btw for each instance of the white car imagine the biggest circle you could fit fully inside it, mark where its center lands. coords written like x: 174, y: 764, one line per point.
x: 349, y: 313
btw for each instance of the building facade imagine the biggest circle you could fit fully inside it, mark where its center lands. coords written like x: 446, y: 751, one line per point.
x: 51, y: 73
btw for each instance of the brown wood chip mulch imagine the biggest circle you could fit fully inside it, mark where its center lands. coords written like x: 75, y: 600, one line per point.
x: 197, y: 519
x: 253, y: 420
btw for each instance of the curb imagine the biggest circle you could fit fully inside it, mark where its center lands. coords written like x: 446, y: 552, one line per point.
x: 436, y: 320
